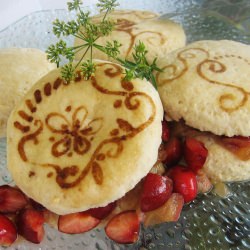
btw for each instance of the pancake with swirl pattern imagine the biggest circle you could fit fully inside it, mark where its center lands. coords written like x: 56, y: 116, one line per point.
x: 207, y: 85
x: 131, y: 26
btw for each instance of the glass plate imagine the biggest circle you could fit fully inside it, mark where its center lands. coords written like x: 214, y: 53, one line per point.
x: 209, y: 222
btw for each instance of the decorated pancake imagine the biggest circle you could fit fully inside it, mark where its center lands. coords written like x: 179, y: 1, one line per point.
x: 159, y: 36
x: 75, y: 146
x: 206, y: 84
x: 20, y: 69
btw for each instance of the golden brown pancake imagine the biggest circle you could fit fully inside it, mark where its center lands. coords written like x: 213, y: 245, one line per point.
x: 75, y: 146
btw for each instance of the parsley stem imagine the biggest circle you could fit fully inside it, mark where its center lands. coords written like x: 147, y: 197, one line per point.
x: 84, y: 54
x: 80, y: 36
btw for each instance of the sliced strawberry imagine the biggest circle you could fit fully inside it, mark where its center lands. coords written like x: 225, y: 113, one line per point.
x: 30, y: 225
x: 169, y: 211
x: 184, y: 182
x: 8, y: 232
x: 124, y: 227
x: 195, y: 153
x: 238, y: 145
x: 102, y: 212
x: 11, y: 199
x: 156, y: 190
x: 77, y: 223
x: 165, y: 131
x: 204, y: 185
x: 173, y: 151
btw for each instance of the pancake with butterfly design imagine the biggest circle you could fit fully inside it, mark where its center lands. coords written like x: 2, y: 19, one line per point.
x: 75, y: 146
x: 159, y: 36
x: 20, y: 68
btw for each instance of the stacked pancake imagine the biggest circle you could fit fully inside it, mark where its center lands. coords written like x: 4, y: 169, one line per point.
x: 159, y: 36
x: 83, y: 145
x: 86, y: 144
x: 20, y: 69
x: 206, y: 85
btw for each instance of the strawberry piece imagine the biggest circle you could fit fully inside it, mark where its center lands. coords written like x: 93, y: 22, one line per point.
x: 156, y: 190
x: 238, y: 145
x: 30, y: 225
x: 8, y: 232
x: 204, y: 185
x: 168, y: 212
x: 36, y: 205
x: 124, y: 227
x: 102, y: 212
x: 165, y: 131
x: 11, y: 199
x: 77, y: 223
x: 173, y: 151
x: 184, y: 182
x: 195, y: 154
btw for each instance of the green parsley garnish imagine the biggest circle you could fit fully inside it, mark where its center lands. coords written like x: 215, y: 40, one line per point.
x: 89, y: 32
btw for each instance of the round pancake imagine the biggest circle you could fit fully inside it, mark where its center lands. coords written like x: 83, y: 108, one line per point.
x: 159, y: 36
x: 20, y: 68
x: 75, y: 146
x: 207, y: 85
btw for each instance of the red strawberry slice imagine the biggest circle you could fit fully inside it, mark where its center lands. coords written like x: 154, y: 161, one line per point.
x: 11, y: 199
x: 102, y: 212
x: 77, y: 223
x: 173, y: 151
x: 30, y: 225
x: 238, y: 145
x: 124, y: 227
x: 156, y: 190
x: 169, y: 211
x: 165, y: 131
x: 204, y: 185
x: 8, y: 232
x: 184, y: 182
x: 195, y: 153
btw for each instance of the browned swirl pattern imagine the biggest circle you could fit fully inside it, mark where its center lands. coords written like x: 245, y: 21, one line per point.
x: 124, y: 25
x: 74, y: 136
x: 228, y: 101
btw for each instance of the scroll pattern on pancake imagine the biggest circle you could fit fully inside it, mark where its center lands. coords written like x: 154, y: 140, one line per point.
x: 74, y: 135
x: 171, y: 72
x: 129, y: 27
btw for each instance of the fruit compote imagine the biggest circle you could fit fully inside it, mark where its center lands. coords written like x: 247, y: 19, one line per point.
x: 174, y: 180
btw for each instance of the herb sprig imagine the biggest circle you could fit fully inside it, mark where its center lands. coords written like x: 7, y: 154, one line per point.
x: 89, y: 32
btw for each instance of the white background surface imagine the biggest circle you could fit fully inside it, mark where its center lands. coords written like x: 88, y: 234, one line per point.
x: 13, y: 10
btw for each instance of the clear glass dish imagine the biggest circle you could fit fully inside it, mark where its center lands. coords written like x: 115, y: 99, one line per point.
x: 209, y: 222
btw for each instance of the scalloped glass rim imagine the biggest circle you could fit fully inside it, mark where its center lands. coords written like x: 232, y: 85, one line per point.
x: 208, y: 222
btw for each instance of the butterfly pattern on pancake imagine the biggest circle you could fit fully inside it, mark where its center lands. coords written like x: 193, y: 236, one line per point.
x: 73, y: 131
